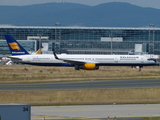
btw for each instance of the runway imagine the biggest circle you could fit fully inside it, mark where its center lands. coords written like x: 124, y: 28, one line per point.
x: 96, y: 112
x: 100, y: 84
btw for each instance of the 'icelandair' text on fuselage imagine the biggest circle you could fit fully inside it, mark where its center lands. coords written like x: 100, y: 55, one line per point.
x: 128, y: 57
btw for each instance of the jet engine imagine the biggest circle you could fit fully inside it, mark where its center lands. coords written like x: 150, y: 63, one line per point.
x: 90, y: 66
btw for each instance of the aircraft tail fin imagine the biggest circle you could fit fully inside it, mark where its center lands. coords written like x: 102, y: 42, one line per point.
x: 14, y: 46
x: 39, y: 51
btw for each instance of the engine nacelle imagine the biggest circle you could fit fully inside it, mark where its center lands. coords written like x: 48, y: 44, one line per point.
x: 90, y: 66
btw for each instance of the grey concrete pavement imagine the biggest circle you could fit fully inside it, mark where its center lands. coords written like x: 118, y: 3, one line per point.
x: 95, y: 111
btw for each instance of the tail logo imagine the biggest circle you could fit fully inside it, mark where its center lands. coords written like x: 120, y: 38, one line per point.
x: 14, y: 46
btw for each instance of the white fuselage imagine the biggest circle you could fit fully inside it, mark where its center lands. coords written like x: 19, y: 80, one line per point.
x: 100, y: 60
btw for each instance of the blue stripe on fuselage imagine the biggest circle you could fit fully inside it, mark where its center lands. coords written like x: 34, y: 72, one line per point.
x: 50, y: 64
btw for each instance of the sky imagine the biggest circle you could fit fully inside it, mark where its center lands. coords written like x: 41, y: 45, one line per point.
x: 142, y: 3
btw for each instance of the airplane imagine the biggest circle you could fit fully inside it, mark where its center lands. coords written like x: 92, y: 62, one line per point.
x: 78, y: 61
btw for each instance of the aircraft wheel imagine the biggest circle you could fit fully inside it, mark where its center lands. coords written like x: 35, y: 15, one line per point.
x: 76, y: 67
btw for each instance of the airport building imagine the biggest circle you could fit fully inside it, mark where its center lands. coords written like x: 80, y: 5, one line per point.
x: 84, y: 40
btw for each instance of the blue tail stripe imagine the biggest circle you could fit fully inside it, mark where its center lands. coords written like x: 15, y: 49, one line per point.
x: 14, y: 46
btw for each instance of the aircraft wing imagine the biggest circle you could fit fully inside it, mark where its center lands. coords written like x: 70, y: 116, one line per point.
x: 72, y: 61
x: 77, y: 61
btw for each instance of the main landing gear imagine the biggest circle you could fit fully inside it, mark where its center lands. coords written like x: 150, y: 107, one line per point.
x: 139, y: 67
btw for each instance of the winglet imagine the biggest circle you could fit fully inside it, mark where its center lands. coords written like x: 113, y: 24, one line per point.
x: 14, y: 46
x: 56, y: 57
